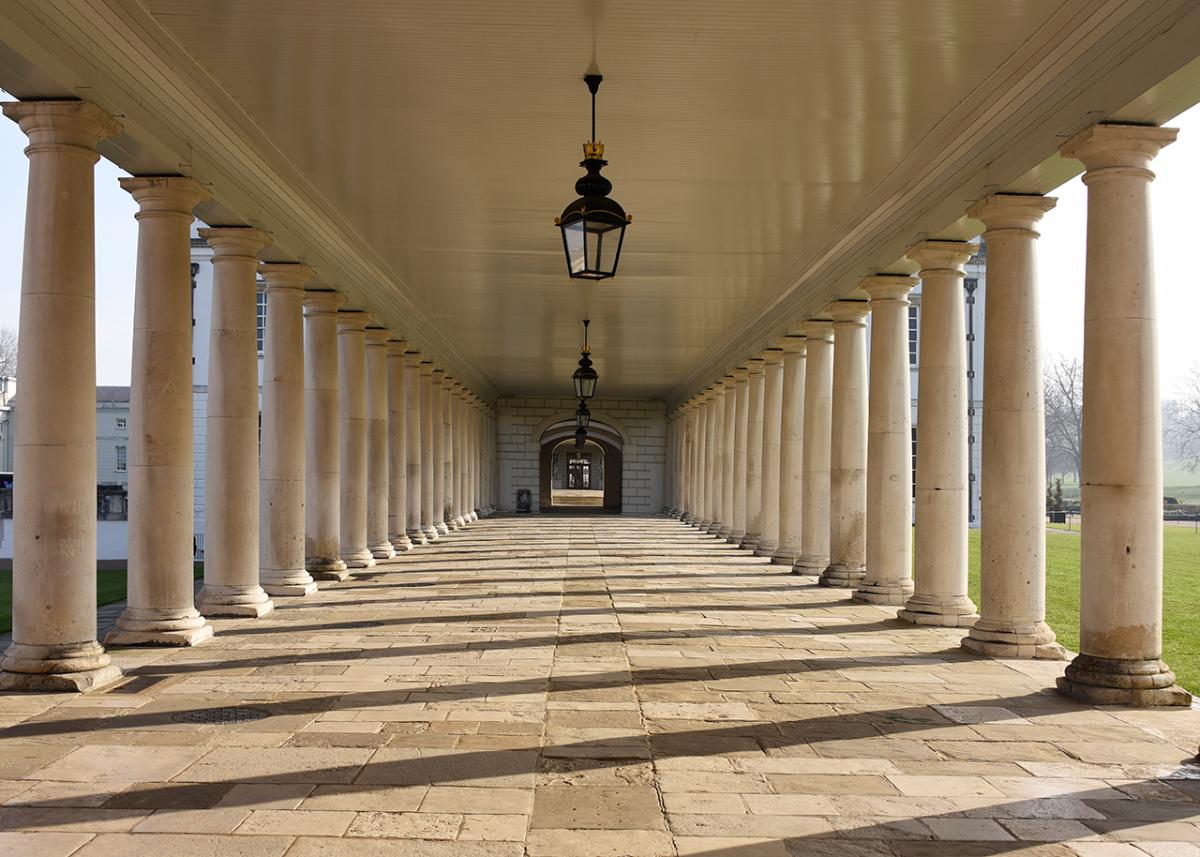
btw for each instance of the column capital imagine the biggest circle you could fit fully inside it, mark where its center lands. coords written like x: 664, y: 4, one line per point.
x: 235, y: 241
x: 850, y: 312
x: 377, y: 337
x: 1011, y: 211
x: 439, y: 375
x: 741, y: 374
x: 285, y: 275
x: 888, y: 287
x: 164, y: 195
x: 756, y: 366
x: 322, y: 302
x: 934, y: 255
x: 425, y: 366
x: 817, y: 330
x: 352, y: 321
x: 773, y: 355
x: 1121, y: 146
x: 728, y: 381
x: 56, y: 124
x: 397, y: 348
x: 792, y: 343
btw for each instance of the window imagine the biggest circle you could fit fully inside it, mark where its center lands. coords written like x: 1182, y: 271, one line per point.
x: 120, y: 422
x: 914, y: 462
x: 912, y: 335
x: 120, y: 459
x: 260, y: 327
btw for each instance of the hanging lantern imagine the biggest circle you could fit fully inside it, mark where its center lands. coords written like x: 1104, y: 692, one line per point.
x: 583, y: 416
x: 580, y: 438
x: 593, y: 226
x: 585, y: 376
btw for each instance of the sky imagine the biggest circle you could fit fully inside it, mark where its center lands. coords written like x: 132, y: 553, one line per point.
x: 1060, y: 258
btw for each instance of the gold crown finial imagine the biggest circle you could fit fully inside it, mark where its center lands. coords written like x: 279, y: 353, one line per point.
x: 593, y: 151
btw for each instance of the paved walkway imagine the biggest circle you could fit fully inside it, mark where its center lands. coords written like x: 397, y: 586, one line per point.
x: 560, y: 687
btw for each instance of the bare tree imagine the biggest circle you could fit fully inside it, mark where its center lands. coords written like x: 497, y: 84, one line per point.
x: 1063, y: 381
x: 1183, y: 426
x: 8, y: 352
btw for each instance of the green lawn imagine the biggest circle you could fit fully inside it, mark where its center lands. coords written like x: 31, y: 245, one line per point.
x: 110, y: 587
x: 1178, y: 482
x: 1181, y: 582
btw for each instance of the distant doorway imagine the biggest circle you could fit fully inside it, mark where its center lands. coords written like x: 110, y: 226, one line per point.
x: 579, y: 479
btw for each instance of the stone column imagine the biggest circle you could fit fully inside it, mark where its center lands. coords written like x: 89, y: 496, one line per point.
x: 704, y: 463
x: 1120, y: 627
x: 940, y: 597
x: 728, y: 453
x: 458, y: 475
x: 741, y: 427
x: 754, y: 453
x: 378, y: 465
x: 162, y: 546
x: 1013, y: 550
x: 888, y: 578
x: 420, y: 486
x: 397, y: 441
x: 352, y: 438
x: 818, y: 415
x: 437, y: 427
x: 281, y: 484
x: 476, y: 413
x: 791, y: 451
x: 716, y: 443
x: 54, y: 646
x: 430, y: 463
x: 231, y: 555
x: 768, y: 538
x: 322, y: 475
x: 848, y: 447
x: 693, y: 467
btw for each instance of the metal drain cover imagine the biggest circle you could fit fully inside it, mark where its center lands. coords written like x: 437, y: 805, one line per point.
x: 223, y: 715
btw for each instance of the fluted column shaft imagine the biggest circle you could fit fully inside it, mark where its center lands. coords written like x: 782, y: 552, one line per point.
x: 848, y: 447
x: 741, y: 428
x: 412, y: 448
x: 754, y: 454
x: 54, y: 646
x: 1012, y: 608
x: 888, y: 578
x: 703, y: 465
x: 712, y: 461
x: 773, y: 385
x: 322, y: 478
x: 1120, y: 615
x: 352, y: 438
x: 281, y: 483
x: 397, y: 441
x: 940, y: 596
x: 791, y: 451
x: 231, y: 552
x: 728, y: 418
x: 378, y: 465
x: 161, y: 609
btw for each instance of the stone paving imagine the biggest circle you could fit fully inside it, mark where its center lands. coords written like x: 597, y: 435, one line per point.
x: 577, y: 686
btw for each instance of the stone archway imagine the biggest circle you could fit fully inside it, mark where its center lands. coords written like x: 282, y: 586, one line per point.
x: 608, y: 441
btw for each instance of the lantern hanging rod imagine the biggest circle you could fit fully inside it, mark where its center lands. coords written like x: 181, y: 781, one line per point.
x: 586, y: 322
x: 593, y: 84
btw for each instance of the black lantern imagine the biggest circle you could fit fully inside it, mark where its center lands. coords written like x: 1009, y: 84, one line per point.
x: 585, y: 376
x: 583, y: 416
x: 593, y: 226
x: 580, y: 438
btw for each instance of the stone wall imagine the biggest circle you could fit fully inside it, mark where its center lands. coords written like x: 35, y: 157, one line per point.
x: 520, y: 422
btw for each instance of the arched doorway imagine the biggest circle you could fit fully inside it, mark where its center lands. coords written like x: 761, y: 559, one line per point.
x: 580, y: 480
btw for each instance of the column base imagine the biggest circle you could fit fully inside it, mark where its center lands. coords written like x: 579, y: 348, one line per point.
x: 842, y: 576
x: 400, y: 543
x: 473, y: 517
x: 70, y: 668
x: 701, y: 524
x: 723, y: 532
x: 765, y: 548
x: 687, y: 519
x: 460, y: 522
x: 784, y: 555
x: 416, y: 537
x: 954, y: 611
x: 360, y: 558
x: 290, y: 590
x: 443, y: 529
x: 326, y: 569
x: 809, y: 565
x: 735, y: 538
x: 382, y: 550
x: 234, y: 601
x: 1111, y: 681
x: 997, y: 640
x: 431, y: 533
x: 713, y: 529
x: 750, y: 542
x: 157, y: 627
x: 891, y: 594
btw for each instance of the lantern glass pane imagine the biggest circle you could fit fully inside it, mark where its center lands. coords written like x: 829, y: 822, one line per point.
x: 574, y: 237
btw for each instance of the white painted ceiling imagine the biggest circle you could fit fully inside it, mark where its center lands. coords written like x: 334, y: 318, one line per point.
x: 770, y: 151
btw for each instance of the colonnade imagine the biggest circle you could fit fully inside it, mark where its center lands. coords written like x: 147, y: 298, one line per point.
x: 832, y: 462
x: 355, y: 422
